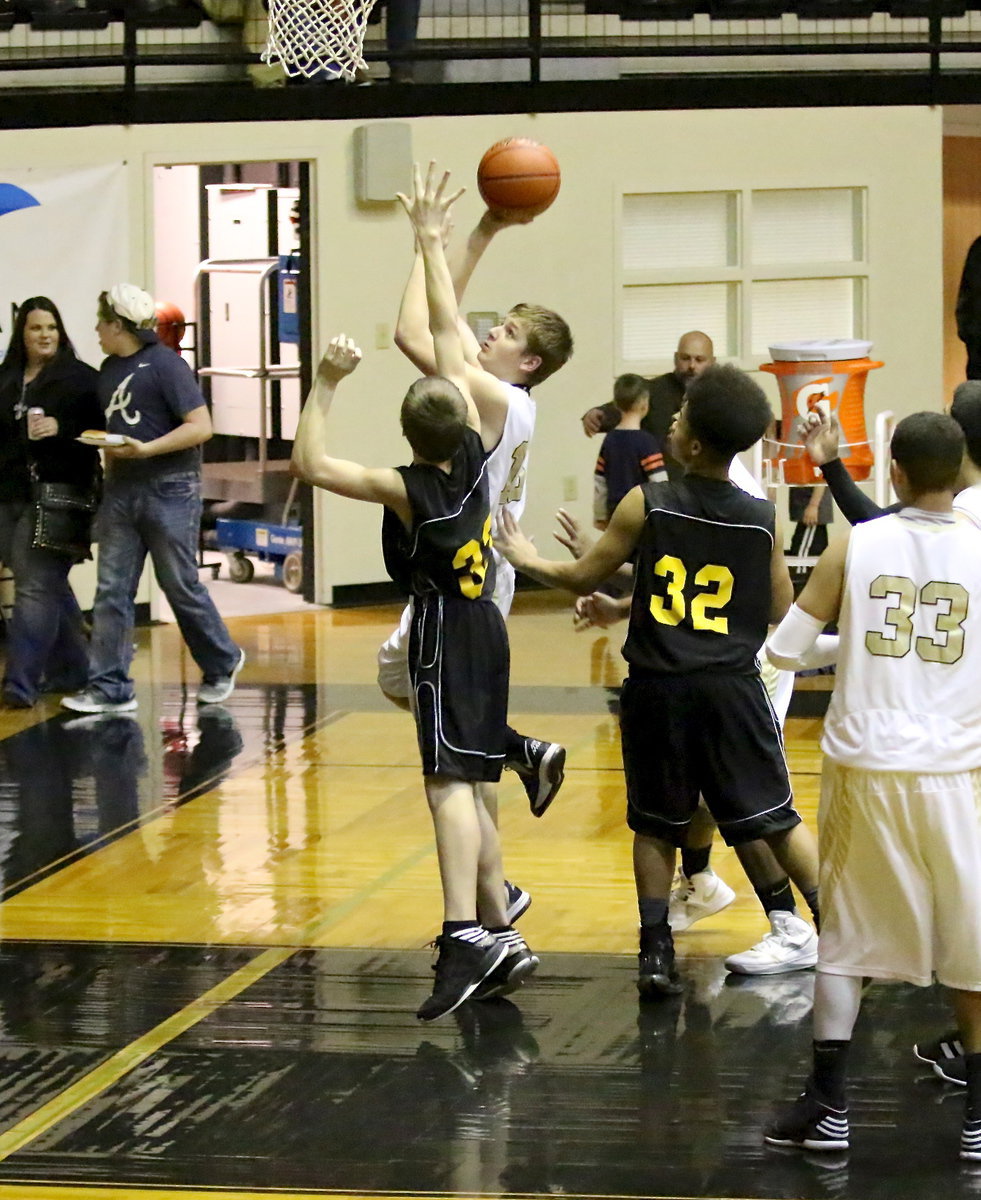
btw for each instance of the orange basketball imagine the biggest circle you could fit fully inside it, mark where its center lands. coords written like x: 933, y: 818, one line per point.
x: 170, y: 324
x: 519, y: 175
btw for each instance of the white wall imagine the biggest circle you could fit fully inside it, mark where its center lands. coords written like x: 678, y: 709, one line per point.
x: 566, y: 259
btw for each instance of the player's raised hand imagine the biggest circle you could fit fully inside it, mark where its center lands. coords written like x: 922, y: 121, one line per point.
x: 571, y: 534
x: 511, y: 542
x: 822, y: 435
x: 598, y: 611
x: 429, y: 204
x: 340, y: 359
x: 496, y: 219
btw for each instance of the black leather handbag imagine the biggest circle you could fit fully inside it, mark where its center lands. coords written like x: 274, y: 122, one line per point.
x: 63, y: 515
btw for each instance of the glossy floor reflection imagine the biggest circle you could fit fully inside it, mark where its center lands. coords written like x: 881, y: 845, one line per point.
x: 317, y: 1078
x: 211, y: 957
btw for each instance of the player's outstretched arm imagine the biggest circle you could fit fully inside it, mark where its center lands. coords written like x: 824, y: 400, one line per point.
x: 582, y: 575
x: 821, y: 440
x: 312, y: 463
x: 798, y: 643
x: 427, y: 209
x: 600, y: 611
x: 487, y: 228
x: 412, y: 334
x: 577, y: 541
x: 572, y: 535
x: 781, y: 588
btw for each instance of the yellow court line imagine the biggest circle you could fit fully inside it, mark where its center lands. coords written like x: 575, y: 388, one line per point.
x: 109, y: 1072
x: 114, y: 1192
x: 125, y: 1060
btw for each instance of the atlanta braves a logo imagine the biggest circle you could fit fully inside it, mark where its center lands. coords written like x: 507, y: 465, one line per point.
x: 120, y: 402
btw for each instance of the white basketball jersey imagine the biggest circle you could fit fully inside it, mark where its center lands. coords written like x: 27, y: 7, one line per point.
x: 779, y: 684
x: 968, y: 502
x: 743, y: 478
x: 507, y: 466
x: 906, y: 694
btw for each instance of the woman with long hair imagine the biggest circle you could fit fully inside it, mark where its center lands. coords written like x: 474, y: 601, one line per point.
x: 48, y: 396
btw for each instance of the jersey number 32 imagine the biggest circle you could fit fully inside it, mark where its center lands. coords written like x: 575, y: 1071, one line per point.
x: 715, y: 591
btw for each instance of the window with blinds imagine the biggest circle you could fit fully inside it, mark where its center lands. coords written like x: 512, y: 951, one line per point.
x: 748, y: 267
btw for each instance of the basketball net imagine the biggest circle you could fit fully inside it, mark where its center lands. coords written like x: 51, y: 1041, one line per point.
x: 314, y: 37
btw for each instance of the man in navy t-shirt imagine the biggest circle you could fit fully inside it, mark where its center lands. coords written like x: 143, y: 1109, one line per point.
x: 151, y: 505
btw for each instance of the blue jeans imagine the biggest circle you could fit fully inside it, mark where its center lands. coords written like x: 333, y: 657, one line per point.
x: 401, y: 25
x: 46, y: 637
x: 160, y: 517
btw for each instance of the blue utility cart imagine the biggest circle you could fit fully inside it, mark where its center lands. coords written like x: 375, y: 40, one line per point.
x: 279, y: 544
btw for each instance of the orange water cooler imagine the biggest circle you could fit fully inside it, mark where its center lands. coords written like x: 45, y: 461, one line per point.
x: 829, y: 374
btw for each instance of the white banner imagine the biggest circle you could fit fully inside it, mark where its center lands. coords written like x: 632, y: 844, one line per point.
x: 64, y: 234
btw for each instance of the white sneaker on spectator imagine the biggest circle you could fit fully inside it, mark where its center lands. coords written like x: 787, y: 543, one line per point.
x: 700, y: 896
x: 791, y: 945
x: 216, y: 691
x: 91, y: 701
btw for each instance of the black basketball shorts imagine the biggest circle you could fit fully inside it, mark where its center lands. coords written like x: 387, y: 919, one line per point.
x: 459, y: 664
x: 711, y: 735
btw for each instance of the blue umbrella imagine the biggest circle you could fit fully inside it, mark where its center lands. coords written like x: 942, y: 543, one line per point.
x: 12, y: 198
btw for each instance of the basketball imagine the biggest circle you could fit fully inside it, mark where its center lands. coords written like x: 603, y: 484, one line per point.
x: 170, y: 324
x: 519, y: 175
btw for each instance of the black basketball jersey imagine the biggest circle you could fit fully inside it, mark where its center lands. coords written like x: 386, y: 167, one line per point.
x: 448, y: 548
x: 701, y: 597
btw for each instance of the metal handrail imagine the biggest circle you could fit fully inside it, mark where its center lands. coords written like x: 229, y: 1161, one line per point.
x: 536, y: 45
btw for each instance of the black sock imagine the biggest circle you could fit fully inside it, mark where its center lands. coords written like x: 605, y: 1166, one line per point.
x: 973, y: 1062
x: 653, y: 913
x: 514, y: 746
x: 452, y: 927
x: 830, y: 1065
x: 777, y: 897
x: 693, y: 861
x: 811, y: 899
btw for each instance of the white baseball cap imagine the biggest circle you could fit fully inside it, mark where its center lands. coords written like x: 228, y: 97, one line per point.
x: 133, y: 303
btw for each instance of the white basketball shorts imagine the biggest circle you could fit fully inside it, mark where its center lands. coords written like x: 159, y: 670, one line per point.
x: 901, y: 875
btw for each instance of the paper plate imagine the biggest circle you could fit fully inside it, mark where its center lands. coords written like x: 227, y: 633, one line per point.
x: 96, y: 437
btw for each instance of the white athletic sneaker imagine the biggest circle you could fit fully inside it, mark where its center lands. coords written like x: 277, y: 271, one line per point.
x: 791, y: 945
x: 701, y: 896
x: 217, y: 691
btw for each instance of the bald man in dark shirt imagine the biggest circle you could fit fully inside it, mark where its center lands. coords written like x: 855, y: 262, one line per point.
x: 695, y: 352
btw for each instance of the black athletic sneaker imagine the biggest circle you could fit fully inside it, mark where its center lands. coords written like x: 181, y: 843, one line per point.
x: 952, y: 1070
x: 810, y: 1124
x: 656, y: 972
x: 516, y: 902
x: 971, y: 1140
x: 541, y: 768
x: 462, y: 965
x: 511, y: 972
x: 944, y: 1048
x: 494, y: 1036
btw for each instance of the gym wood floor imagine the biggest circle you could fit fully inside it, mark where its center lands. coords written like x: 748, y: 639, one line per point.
x: 213, y: 945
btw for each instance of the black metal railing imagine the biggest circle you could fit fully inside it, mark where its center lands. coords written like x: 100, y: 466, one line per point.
x: 100, y: 44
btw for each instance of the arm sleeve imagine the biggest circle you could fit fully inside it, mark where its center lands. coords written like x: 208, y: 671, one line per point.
x: 855, y: 506
x: 600, y: 492
x: 797, y: 643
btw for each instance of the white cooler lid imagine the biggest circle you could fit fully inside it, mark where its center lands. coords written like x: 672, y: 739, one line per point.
x: 834, y: 349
